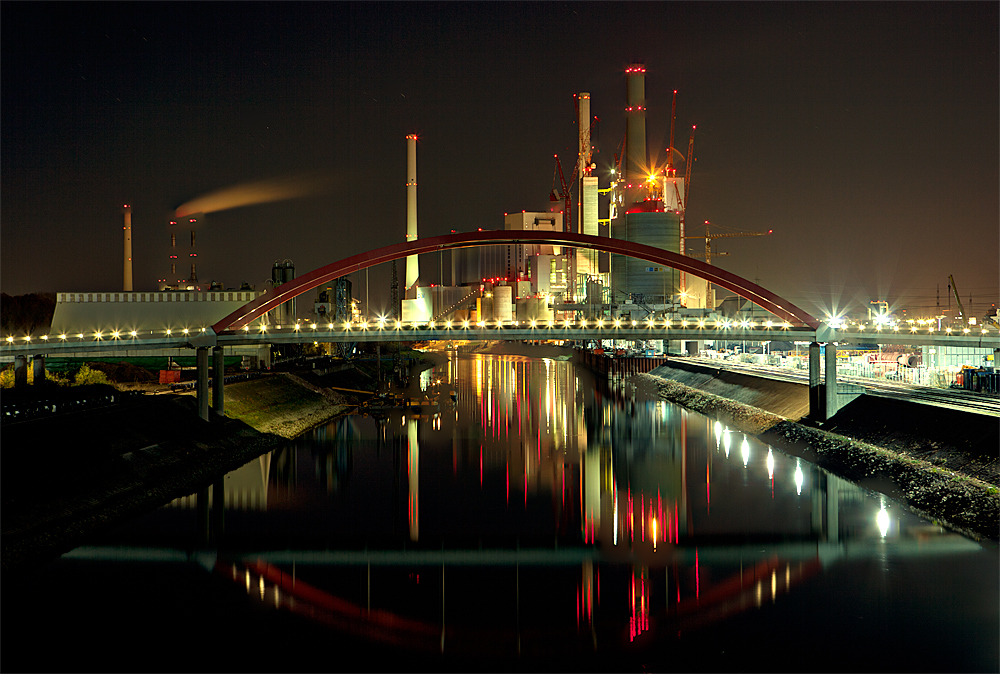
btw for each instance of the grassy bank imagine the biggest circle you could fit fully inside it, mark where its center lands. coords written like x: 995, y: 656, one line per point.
x: 284, y: 405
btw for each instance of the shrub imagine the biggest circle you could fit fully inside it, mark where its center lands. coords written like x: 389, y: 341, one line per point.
x: 85, y: 376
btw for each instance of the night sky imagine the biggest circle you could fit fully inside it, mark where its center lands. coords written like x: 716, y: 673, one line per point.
x: 864, y: 134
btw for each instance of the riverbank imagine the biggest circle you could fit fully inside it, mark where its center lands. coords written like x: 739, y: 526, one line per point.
x: 945, y: 489
x: 92, y: 470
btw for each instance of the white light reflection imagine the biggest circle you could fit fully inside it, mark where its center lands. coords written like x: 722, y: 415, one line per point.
x: 726, y: 442
x: 882, y: 519
x: 798, y: 477
x: 770, y: 464
x: 745, y: 451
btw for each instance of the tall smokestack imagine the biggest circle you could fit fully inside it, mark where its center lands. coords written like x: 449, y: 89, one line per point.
x: 412, y: 264
x: 583, y: 152
x: 127, y: 287
x: 636, y: 160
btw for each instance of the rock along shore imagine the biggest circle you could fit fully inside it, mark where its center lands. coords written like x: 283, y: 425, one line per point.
x: 948, y: 497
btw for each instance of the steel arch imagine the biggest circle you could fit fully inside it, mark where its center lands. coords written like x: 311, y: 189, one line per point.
x: 731, y: 282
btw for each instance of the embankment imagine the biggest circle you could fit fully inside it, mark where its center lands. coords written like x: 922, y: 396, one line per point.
x: 940, y: 463
x: 71, y: 476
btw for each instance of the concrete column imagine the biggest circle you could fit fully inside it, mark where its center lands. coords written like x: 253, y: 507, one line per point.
x: 218, y: 381
x: 832, y: 401
x: 816, y: 410
x: 996, y: 360
x: 38, y: 370
x: 20, y: 371
x: 202, y: 361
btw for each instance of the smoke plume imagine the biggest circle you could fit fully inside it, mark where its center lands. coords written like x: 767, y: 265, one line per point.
x: 260, y: 192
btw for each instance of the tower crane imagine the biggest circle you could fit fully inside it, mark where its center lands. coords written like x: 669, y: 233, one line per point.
x: 565, y: 194
x: 961, y: 308
x: 709, y: 237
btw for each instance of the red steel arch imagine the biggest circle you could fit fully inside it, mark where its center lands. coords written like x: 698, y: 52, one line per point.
x: 731, y: 282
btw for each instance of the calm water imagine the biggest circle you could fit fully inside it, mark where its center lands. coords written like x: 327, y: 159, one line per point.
x: 537, y: 522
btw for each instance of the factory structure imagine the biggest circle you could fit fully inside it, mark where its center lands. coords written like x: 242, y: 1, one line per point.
x: 642, y: 204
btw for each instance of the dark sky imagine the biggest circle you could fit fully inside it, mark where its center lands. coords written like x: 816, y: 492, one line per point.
x: 864, y: 134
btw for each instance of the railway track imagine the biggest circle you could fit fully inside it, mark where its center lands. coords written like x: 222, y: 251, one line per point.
x: 965, y: 401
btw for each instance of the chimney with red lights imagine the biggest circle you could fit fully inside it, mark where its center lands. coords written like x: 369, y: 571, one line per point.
x: 128, y: 248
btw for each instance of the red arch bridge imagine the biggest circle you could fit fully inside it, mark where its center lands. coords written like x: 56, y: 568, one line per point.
x: 792, y: 322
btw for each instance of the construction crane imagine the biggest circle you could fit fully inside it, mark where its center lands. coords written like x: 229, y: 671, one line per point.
x: 709, y: 237
x: 565, y: 194
x: 961, y: 308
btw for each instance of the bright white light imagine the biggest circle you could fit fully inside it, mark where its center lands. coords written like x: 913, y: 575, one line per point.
x: 46, y: 337
x: 882, y: 519
x: 133, y: 333
x: 531, y: 322
x: 745, y: 451
x: 617, y: 323
x: 312, y: 326
x: 27, y: 338
x: 10, y: 338
x: 186, y: 331
x: 770, y: 464
x: 115, y: 334
x: 60, y: 337
x: 447, y: 324
x: 799, y: 478
x: 167, y: 332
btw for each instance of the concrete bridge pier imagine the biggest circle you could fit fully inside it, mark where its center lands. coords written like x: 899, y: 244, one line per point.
x: 218, y: 381
x: 20, y: 371
x: 38, y: 369
x: 832, y: 401
x: 816, y: 411
x: 202, y: 362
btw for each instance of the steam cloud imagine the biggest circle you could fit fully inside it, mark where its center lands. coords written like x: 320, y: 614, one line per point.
x: 260, y: 192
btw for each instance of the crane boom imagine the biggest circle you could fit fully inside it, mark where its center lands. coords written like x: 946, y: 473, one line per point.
x: 961, y: 308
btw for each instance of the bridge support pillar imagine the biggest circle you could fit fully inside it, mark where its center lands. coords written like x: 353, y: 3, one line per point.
x: 832, y: 399
x: 202, y: 362
x: 20, y: 371
x: 218, y: 381
x: 816, y: 410
x: 996, y: 360
x: 38, y: 369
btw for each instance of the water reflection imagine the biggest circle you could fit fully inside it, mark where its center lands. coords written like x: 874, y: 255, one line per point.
x: 570, y: 517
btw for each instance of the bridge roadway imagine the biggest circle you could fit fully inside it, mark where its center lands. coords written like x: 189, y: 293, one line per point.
x: 824, y: 395
x: 103, y: 342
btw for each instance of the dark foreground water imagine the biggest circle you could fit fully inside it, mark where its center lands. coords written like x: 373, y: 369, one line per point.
x: 538, y: 522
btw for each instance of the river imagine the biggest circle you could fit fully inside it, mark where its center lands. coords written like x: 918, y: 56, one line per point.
x: 535, y: 520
